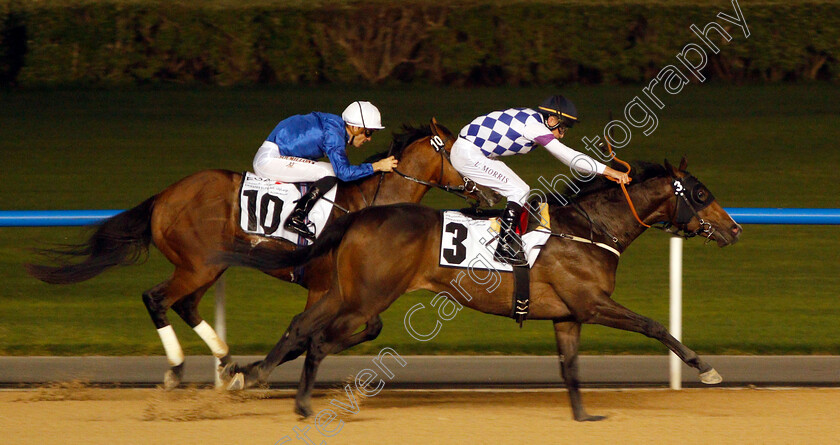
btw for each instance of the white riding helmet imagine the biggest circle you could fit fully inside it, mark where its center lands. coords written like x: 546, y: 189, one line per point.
x: 362, y: 114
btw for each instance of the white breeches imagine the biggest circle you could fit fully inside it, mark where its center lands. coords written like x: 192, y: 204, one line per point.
x: 269, y: 163
x: 491, y: 173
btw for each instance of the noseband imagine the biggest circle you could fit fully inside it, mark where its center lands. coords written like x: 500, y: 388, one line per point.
x: 692, y: 197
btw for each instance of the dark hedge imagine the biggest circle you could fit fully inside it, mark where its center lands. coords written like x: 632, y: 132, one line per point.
x: 103, y: 43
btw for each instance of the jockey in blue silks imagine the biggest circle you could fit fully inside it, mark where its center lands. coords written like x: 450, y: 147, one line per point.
x: 291, y: 153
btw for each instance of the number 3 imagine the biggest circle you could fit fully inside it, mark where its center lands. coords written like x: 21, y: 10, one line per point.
x: 459, y: 254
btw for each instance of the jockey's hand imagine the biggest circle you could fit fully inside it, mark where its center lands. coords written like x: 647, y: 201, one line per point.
x: 385, y: 165
x: 616, y: 176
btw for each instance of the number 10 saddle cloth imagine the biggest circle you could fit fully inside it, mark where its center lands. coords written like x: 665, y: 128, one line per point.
x: 264, y: 204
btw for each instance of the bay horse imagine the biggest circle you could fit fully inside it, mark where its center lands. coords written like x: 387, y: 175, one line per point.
x: 198, y: 215
x: 571, y: 282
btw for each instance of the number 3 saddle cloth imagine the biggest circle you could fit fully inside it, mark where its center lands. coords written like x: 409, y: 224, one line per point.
x: 469, y: 242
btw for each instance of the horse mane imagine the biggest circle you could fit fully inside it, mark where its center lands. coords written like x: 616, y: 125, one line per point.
x: 640, y: 171
x: 402, y: 140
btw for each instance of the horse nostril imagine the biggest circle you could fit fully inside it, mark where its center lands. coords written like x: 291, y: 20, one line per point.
x: 736, y: 230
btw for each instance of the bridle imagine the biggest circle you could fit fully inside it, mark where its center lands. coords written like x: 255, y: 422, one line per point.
x: 439, y: 145
x: 692, y: 197
x: 687, y: 208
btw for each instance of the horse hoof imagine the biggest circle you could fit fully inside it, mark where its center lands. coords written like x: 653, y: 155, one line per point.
x: 303, y: 411
x: 711, y: 377
x: 237, y: 382
x: 589, y: 418
x: 227, y: 370
x: 170, y: 381
x: 172, y: 377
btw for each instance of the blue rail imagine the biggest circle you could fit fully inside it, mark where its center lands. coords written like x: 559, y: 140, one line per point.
x: 41, y: 218
x: 750, y: 215
x: 743, y: 215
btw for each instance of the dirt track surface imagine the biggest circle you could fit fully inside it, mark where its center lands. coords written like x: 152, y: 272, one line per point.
x: 76, y: 414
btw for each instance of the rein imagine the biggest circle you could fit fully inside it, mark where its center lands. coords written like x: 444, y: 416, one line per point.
x: 682, y: 217
x: 439, y: 145
x: 623, y: 188
x: 381, y: 177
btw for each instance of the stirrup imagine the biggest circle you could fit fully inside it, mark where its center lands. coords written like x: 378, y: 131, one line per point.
x: 296, y: 225
x: 503, y: 254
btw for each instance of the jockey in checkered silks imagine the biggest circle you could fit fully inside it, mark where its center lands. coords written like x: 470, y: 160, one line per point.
x: 514, y: 132
x: 291, y: 151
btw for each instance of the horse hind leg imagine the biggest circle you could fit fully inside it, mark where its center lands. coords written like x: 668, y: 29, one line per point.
x: 616, y: 316
x: 157, y: 304
x: 187, y: 309
x: 179, y: 294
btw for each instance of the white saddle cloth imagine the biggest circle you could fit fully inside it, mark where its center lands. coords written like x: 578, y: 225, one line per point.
x: 470, y: 243
x: 264, y: 205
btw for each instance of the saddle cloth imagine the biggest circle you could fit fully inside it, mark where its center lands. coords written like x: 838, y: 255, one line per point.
x: 264, y: 205
x: 467, y: 242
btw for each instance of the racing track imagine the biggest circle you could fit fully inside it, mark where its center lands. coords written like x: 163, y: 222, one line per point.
x: 75, y: 414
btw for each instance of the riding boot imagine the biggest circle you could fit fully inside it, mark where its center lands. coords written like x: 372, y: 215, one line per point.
x: 509, y: 250
x: 296, y: 222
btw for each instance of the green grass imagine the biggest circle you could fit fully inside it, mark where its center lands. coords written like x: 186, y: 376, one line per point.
x: 754, y: 146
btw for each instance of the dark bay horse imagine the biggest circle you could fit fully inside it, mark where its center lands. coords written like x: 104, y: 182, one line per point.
x: 571, y: 282
x: 197, y: 216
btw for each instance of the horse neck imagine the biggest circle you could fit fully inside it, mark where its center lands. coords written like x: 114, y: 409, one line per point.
x: 393, y: 188
x: 652, y: 200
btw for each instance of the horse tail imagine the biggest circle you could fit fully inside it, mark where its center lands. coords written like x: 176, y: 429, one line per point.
x: 120, y: 240
x: 266, y: 257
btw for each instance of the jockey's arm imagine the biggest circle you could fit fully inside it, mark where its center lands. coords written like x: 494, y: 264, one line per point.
x: 582, y: 162
x: 334, y: 148
x: 345, y: 171
x: 570, y: 156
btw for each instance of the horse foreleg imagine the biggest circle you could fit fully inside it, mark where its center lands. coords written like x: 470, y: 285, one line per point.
x: 330, y: 341
x: 614, y: 315
x: 291, y: 345
x: 568, y: 338
x: 318, y: 349
x: 371, y: 331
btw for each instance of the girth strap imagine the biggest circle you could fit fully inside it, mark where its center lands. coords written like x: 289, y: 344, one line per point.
x: 521, y: 293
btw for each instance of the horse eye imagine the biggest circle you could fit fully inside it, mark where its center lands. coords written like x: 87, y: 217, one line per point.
x: 702, y: 195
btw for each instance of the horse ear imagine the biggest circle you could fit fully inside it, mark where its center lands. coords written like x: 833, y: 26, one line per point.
x: 683, y: 164
x: 670, y: 168
x: 442, y: 132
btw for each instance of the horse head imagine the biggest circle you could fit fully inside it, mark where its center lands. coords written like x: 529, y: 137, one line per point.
x: 426, y: 161
x: 696, y: 211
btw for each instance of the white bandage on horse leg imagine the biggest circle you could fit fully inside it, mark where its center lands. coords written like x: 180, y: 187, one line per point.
x: 174, y: 353
x: 217, y: 346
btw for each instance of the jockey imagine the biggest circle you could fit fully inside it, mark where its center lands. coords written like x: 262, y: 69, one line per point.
x: 290, y: 154
x: 511, y: 132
